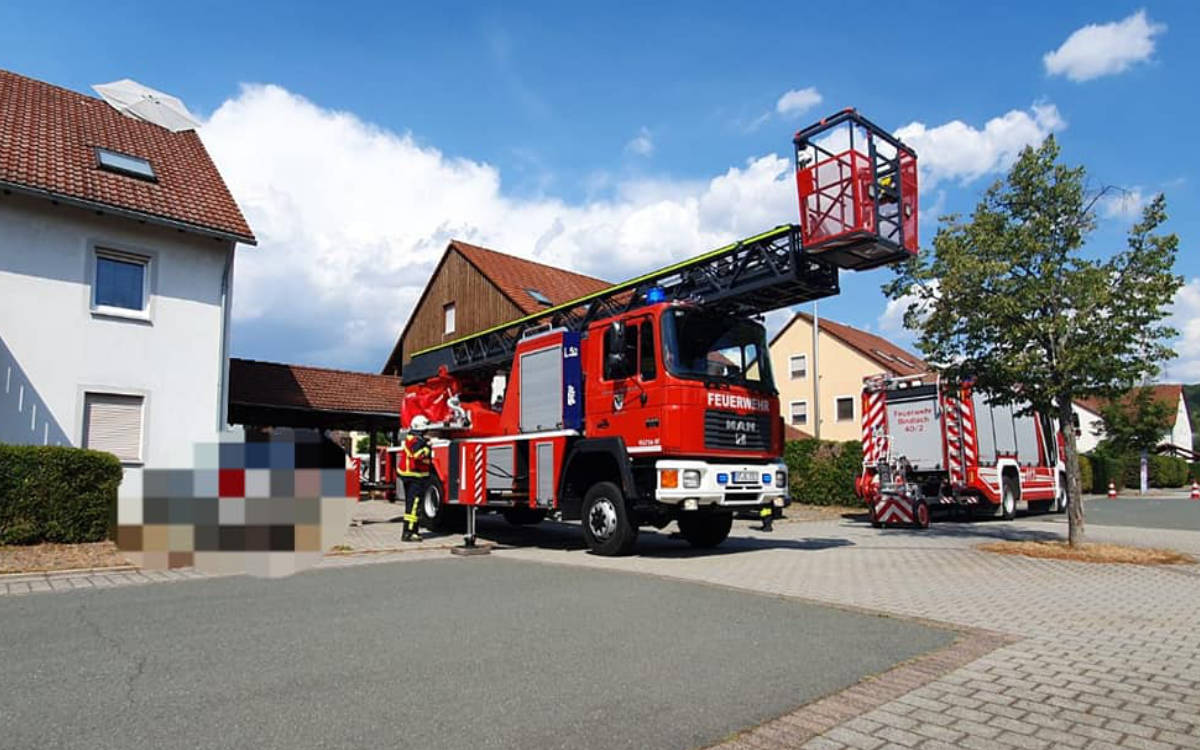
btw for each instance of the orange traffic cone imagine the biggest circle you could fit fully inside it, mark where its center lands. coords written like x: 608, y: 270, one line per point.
x: 1112, y: 491
x: 1195, y: 490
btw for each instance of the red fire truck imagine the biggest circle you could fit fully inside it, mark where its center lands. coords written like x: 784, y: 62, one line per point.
x: 930, y: 444
x: 653, y: 401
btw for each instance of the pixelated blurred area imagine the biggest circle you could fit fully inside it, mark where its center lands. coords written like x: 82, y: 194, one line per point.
x: 264, y: 503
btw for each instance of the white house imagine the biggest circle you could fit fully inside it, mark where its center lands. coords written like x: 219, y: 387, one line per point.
x: 1178, y: 436
x: 117, y: 241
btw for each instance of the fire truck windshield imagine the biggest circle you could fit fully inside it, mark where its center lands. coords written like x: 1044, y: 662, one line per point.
x: 704, y: 346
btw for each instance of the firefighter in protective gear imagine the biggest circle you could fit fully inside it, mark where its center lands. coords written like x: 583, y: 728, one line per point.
x: 767, y: 515
x: 413, y: 467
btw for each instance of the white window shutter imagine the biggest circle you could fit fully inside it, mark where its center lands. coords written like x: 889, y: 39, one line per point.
x: 113, y: 424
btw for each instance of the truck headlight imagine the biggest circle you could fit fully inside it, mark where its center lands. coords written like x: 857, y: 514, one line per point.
x: 781, y: 479
x: 691, y: 479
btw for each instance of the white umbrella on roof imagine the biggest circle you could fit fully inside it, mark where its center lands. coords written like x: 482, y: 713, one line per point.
x: 132, y: 99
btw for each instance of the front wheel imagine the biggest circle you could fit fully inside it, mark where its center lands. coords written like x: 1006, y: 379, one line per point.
x: 607, y: 527
x: 433, y: 514
x: 706, y: 530
x: 1061, y: 499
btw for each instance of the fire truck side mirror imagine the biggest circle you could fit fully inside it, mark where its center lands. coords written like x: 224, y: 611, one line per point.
x: 615, y: 357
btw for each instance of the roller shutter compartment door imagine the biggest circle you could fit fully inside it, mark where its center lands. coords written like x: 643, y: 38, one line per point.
x: 113, y: 424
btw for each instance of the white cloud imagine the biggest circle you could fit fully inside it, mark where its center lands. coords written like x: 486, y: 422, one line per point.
x: 798, y: 101
x: 958, y: 151
x: 891, y: 320
x: 1098, y: 50
x: 1122, y: 204
x: 642, y: 144
x: 351, y: 219
x: 1185, y: 316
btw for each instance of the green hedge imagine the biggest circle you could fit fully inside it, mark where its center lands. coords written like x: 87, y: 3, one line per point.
x: 1085, y: 474
x: 821, y: 472
x: 51, y: 494
x: 1106, y: 469
x: 1167, y: 471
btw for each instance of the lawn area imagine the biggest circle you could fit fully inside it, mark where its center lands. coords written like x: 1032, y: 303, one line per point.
x: 37, y: 558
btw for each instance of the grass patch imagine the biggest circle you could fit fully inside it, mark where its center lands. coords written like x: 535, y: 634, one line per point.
x: 40, y: 558
x: 1090, y: 553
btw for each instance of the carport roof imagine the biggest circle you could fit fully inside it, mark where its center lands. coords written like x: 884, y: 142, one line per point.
x: 274, y: 393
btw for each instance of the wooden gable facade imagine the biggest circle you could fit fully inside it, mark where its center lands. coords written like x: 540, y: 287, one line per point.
x: 486, y: 288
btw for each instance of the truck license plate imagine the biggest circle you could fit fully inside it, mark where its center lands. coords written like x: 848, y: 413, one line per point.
x: 745, y: 477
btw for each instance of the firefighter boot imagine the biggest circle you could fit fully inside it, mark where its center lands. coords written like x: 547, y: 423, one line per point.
x: 767, y: 514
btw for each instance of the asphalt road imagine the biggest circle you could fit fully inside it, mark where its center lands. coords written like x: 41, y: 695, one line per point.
x: 450, y: 653
x: 1147, y: 513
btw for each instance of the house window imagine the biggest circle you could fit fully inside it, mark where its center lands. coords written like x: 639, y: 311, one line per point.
x: 448, y: 318
x: 798, y: 364
x: 113, y: 423
x: 119, y: 282
x: 845, y: 408
x: 133, y: 166
x: 799, y: 413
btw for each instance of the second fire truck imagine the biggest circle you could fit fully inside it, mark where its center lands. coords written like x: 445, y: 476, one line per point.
x: 930, y: 444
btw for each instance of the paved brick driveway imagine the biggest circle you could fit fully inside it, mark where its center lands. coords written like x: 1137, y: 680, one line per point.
x: 1059, y: 654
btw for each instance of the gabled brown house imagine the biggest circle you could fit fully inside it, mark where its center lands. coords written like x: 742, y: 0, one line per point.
x: 474, y: 288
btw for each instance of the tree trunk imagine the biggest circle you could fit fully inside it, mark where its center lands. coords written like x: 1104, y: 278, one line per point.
x: 1066, y: 423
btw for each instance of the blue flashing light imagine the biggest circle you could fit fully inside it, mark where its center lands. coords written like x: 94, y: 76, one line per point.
x: 722, y: 479
x: 655, y: 294
x: 766, y: 478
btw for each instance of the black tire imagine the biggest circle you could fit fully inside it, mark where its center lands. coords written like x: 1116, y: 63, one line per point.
x: 705, y: 530
x: 524, y: 516
x: 607, y: 526
x: 1008, y: 499
x: 434, y: 515
x: 875, y: 522
x: 921, y: 515
x: 1062, y: 500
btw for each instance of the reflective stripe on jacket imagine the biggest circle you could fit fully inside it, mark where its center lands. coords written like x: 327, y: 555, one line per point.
x: 414, y: 459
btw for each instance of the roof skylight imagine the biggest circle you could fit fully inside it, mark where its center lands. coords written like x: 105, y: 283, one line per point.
x: 540, y: 298
x: 134, y: 166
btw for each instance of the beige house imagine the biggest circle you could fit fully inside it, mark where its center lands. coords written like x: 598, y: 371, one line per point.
x: 846, y: 355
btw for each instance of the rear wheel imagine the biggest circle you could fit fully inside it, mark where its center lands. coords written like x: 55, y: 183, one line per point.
x: 1008, y: 499
x: 1060, y: 500
x: 921, y: 515
x: 871, y: 514
x: 607, y: 526
x: 705, y: 530
x: 435, y: 516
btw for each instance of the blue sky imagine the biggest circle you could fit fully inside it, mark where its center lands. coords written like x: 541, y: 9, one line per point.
x: 608, y: 139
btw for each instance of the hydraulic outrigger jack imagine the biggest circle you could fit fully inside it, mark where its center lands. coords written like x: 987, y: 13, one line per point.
x: 469, y: 547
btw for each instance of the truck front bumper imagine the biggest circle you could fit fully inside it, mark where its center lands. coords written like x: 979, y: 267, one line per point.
x: 732, y: 485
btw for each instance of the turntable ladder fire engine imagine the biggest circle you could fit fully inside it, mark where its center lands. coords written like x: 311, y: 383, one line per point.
x: 858, y: 211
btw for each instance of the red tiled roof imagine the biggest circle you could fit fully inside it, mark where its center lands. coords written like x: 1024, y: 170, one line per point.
x: 1168, y: 394
x: 48, y: 137
x: 887, y: 355
x: 791, y: 432
x: 272, y: 384
x: 516, y: 276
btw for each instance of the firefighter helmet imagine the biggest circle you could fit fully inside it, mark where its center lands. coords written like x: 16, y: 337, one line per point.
x: 419, y: 422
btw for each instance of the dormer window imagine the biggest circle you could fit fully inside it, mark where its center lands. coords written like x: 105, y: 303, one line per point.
x: 132, y: 166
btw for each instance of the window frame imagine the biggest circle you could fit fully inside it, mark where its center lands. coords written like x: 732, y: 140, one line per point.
x: 123, y: 254
x: 149, y: 176
x: 633, y: 335
x: 837, y: 415
x: 792, y: 414
x: 449, y: 319
x: 792, y: 369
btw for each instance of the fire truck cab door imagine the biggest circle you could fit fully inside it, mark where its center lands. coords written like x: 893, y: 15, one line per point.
x: 626, y: 403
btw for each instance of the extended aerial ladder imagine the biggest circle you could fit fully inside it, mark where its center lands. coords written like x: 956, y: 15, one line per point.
x: 858, y: 211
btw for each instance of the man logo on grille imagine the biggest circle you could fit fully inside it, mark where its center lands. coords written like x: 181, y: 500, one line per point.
x: 740, y: 439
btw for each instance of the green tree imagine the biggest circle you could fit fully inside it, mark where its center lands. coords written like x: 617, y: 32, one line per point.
x: 1008, y: 298
x: 363, y: 444
x: 1136, y: 423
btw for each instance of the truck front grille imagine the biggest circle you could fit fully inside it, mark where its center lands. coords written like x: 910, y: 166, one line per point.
x: 724, y: 430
